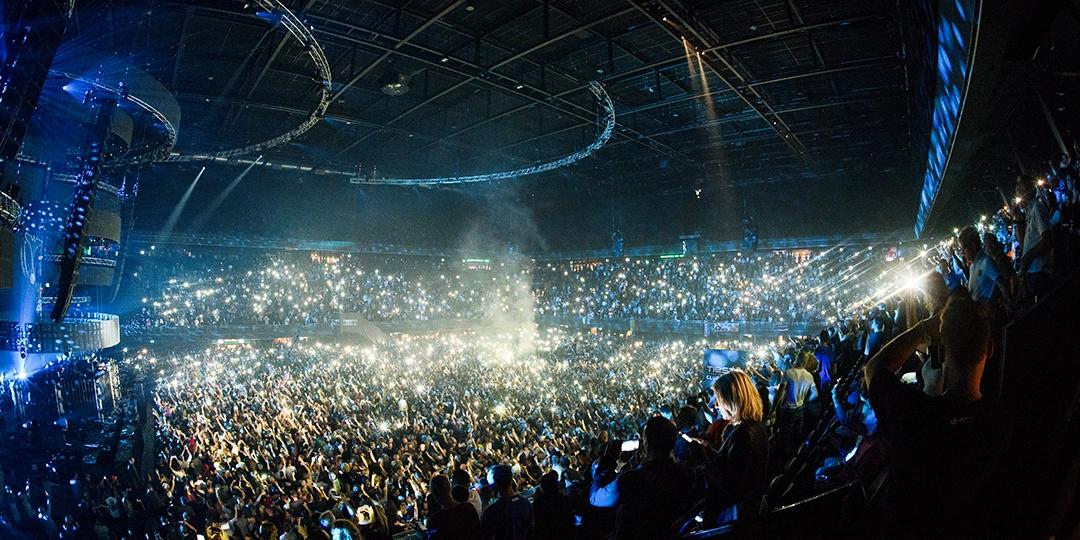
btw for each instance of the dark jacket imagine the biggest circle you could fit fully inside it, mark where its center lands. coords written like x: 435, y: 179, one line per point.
x: 738, y: 475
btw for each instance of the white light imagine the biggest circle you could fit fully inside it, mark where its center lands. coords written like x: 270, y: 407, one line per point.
x: 913, y: 283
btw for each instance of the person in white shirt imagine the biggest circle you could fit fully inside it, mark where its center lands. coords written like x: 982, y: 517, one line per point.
x: 797, y: 388
x: 985, y: 282
x: 1035, y: 249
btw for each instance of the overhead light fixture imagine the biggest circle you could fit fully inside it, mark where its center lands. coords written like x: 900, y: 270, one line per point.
x: 519, y: 87
x: 445, y: 59
x: 394, y: 83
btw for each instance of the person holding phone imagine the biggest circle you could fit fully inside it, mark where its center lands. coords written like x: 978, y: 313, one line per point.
x: 651, y: 496
x: 737, y: 475
x: 942, y: 449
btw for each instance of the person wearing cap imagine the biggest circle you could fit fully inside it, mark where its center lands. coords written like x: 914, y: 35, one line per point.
x: 652, y: 496
x: 453, y: 520
x: 510, y: 517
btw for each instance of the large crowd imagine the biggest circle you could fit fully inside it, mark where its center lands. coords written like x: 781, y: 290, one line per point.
x: 185, y: 289
x: 784, y: 286
x: 560, y: 433
x: 182, y: 289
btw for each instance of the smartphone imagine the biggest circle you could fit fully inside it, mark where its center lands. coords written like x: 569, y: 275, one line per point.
x: 686, y: 437
x: 341, y: 533
x: 630, y: 446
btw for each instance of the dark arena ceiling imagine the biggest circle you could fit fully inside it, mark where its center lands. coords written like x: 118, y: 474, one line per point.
x: 801, y: 114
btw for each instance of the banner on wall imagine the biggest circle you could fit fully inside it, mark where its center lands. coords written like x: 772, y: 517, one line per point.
x: 718, y: 362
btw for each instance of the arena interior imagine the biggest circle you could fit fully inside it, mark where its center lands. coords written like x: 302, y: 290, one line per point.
x: 539, y: 269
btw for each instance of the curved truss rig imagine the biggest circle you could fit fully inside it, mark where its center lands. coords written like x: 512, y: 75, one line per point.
x: 164, y: 152
x: 303, y: 35
x: 602, y: 98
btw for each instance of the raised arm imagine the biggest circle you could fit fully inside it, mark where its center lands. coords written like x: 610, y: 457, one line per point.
x: 896, y: 352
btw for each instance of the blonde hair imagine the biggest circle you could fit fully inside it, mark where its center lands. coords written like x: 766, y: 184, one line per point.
x: 809, y: 362
x: 737, y: 392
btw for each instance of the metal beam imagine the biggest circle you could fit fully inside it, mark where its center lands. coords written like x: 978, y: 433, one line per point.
x: 732, y: 44
x: 796, y: 14
x: 277, y: 50
x: 546, y: 98
x: 475, y: 150
x: 616, y: 77
x: 872, y: 62
x: 401, y: 42
x: 489, y: 70
x: 183, y: 44
x: 745, y: 115
x: 749, y: 95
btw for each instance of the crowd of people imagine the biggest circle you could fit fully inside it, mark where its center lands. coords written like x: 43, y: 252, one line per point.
x: 187, y: 290
x: 295, y: 437
x: 562, y: 433
x: 784, y: 286
x: 552, y: 434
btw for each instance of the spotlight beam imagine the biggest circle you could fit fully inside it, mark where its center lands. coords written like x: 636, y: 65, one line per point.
x: 174, y: 216
x: 223, y: 195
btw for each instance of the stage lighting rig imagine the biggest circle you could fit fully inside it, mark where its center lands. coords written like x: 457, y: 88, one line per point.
x: 279, y: 14
x: 103, y: 104
x: 607, y: 112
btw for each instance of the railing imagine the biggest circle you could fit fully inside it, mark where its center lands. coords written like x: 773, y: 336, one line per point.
x: 644, y: 326
x: 654, y: 250
x: 688, y: 327
x: 81, y: 332
x: 91, y: 261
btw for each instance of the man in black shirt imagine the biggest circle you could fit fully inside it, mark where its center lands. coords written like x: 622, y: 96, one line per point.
x: 941, y: 448
x: 510, y: 517
x: 554, y: 518
x: 652, y: 496
x: 454, y: 520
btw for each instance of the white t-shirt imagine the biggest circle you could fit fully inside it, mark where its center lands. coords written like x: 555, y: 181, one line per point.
x: 984, y: 277
x: 800, y: 386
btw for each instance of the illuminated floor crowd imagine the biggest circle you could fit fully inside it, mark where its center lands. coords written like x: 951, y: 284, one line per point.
x: 313, y: 427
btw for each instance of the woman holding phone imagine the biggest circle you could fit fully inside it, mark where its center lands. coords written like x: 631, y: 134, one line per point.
x: 737, y: 475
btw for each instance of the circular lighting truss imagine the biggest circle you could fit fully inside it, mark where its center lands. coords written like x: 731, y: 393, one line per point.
x: 153, y: 153
x: 608, y: 109
x: 303, y: 35
x: 164, y: 151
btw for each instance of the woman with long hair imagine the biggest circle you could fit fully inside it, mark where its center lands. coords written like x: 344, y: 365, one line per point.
x: 738, y: 472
